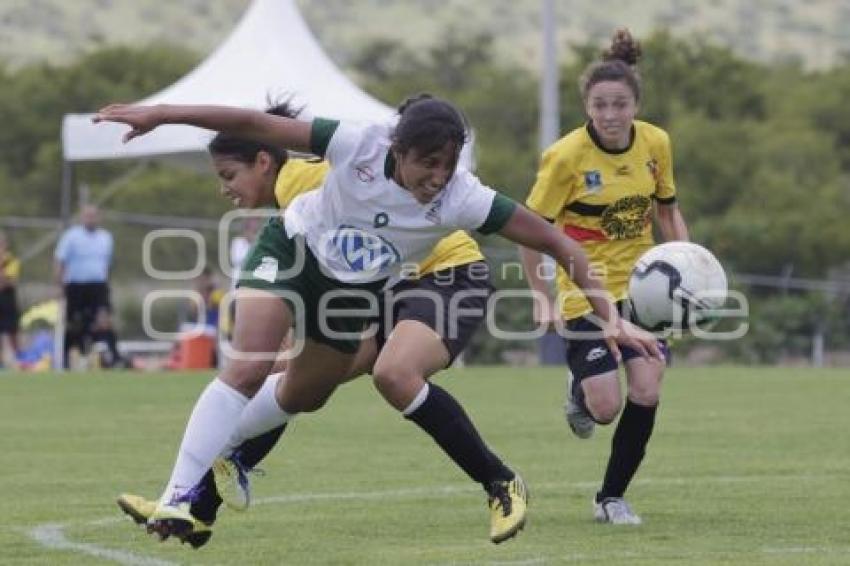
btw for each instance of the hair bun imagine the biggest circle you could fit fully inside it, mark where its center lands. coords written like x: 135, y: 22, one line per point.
x: 623, y: 48
x: 411, y: 100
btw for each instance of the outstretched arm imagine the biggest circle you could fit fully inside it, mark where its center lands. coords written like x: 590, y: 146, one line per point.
x: 529, y: 230
x: 249, y: 124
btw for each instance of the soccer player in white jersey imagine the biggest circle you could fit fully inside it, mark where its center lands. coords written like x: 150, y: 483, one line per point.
x: 390, y: 195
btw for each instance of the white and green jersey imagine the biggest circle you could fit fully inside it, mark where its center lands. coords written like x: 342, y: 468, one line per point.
x: 362, y: 226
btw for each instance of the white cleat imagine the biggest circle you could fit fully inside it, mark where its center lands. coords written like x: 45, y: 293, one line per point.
x: 614, y: 510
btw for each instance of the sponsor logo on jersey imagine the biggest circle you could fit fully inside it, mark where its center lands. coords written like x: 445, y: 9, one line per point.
x: 623, y: 170
x: 363, y: 251
x: 267, y: 270
x: 595, y: 354
x: 593, y: 181
x: 365, y: 173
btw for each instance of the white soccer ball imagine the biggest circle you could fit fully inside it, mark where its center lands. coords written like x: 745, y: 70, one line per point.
x: 676, y: 285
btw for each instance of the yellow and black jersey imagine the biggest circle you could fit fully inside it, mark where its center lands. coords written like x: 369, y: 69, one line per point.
x: 10, y: 266
x: 603, y: 200
x: 298, y: 176
x: 458, y: 248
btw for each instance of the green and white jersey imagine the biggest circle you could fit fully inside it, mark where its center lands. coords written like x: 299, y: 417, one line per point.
x: 362, y: 226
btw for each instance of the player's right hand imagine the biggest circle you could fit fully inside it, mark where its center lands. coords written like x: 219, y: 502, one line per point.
x: 638, y: 339
x: 141, y: 119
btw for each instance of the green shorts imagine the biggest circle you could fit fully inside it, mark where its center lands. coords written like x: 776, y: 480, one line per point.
x: 322, y: 306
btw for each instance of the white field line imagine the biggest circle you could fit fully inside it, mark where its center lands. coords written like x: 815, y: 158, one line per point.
x: 441, y: 491
x: 52, y: 536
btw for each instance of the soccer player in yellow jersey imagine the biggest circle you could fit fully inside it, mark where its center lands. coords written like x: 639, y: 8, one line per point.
x: 425, y: 336
x: 602, y: 184
x: 10, y: 269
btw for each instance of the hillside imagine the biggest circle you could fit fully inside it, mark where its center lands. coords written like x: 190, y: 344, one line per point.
x: 815, y: 32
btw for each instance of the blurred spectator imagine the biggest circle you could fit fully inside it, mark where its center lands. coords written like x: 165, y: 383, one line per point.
x: 240, y: 245
x: 211, y: 296
x: 36, y: 340
x: 10, y: 269
x: 83, y: 259
x: 199, y: 327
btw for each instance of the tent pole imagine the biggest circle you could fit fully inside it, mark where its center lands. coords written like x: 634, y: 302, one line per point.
x: 67, y: 186
x: 65, y: 215
x: 549, y: 115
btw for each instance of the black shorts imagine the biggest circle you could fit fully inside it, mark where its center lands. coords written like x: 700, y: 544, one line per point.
x: 9, y: 314
x: 452, y: 302
x: 82, y: 303
x: 590, y: 355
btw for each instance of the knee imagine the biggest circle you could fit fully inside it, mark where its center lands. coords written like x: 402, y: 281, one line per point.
x: 646, y: 394
x: 394, y: 381
x: 604, y: 408
x: 246, y: 377
x: 293, y: 399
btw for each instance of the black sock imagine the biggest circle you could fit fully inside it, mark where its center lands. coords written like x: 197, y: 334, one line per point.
x: 206, y: 506
x: 627, y: 448
x: 112, y: 343
x: 251, y: 452
x: 444, y: 419
x: 111, y: 340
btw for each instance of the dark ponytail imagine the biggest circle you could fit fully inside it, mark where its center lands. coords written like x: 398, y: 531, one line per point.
x: 246, y: 151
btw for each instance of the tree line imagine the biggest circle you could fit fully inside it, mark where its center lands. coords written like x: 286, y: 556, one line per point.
x: 761, y: 153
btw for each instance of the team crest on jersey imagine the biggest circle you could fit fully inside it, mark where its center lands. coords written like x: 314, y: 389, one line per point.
x: 593, y: 181
x: 365, y: 173
x: 626, y: 218
x: 433, y: 213
x: 363, y: 251
x: 652, y: 166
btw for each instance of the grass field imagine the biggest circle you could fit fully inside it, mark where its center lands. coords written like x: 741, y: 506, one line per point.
x: 748, y: 466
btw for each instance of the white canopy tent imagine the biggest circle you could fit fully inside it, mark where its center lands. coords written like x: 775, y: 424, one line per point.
x: 271, y: 52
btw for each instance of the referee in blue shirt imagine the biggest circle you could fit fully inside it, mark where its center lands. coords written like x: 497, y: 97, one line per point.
x: 83, y: 258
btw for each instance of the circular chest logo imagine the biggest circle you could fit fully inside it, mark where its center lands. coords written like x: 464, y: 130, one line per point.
x: 363, y: 251
x: 626, y: 218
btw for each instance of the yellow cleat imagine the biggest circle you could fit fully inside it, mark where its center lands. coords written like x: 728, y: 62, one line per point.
x: 508, y: 501
x: 141, y: 510
x: 137, y: 507
x: 174, y: 518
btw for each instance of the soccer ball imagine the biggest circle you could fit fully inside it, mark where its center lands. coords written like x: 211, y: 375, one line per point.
x: 676, y: 285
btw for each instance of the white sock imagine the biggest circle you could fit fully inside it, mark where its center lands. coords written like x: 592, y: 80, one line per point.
x: 260, y: 415
x: 212, y: 422
x: 417, y: 401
